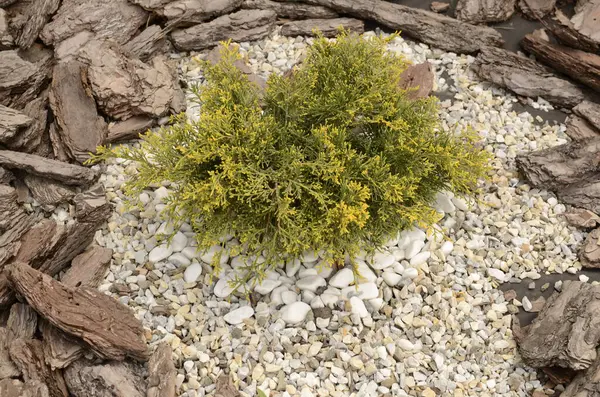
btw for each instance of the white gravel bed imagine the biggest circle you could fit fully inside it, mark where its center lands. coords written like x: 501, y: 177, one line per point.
x: 427, y: 320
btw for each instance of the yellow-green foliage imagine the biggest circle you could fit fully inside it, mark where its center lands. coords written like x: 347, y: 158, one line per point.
x: 333, y: 158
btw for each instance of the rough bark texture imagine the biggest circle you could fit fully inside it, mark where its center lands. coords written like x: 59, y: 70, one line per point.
x: 47, y: 192
x: 437, y: 6
x: 581, y: 66
x: 579, y: 128
x: 14, y: 222
x: 149, y: 42
x: 225, y: 388
x: 582, y: 218
x: 6, y: 177
x: 129, y: 129
x: 328, y: 27
x: 564, y: 31
x: 21, y: 79
x: 16, y: 388
x: 418, y: 79
x: 60, y: 350
x: 570, y: 170
x: 151, y: 5
x: 536, y: 9
x: 118, y: 20
x: 31, y: 139
x: 69, y: 174
x: 525, y: 77
x: 88, y: 268
x: 8, y: 369
x: 431, y: 28
x: 80, y: 128
x: 291, y: 10
x: 125, y: 87
x: 484, y: 11
x: 113, y: 379
x: 240, y: 26
x: 566, y: 332
x: 36, y: 15
x: 586, y: 383
x: 11, y: 121
x: 589, y: 253
x: 6, y: 39
x: 29, y: 357
x: 590, y: 111
x: 161, y: 373
x: 587, y: 19
x: 22, y: 323
x: 111, y: 329
x: 197, y: 11
x: 40, y: 241
x: 91, y: 206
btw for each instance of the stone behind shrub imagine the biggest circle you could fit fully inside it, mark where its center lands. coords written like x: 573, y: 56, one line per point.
x: 333, y: 157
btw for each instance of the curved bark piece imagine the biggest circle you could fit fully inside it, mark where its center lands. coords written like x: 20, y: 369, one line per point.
x: 328, y: 27
x: 108, y: 327
x: 114, y: 379
x: 11, y: 121
x: 564, y: 31
x: 22, y: 323
x: 8, y: 369
x: 196, y: 11
x: 590, y: 111
x: 22, y: 75
x: 161, y: 373
x: 36, y: 15
x: 484, y: 11
x: 291, y: 10
x: 579, y: 128
x: 536, y: 9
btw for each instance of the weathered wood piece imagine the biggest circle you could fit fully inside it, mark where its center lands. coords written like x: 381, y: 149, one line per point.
x: 536, y: 9
x: 36, y: 14
x: 151, y: 5
x: 589, y: 252
x: 564, y: 333
x: 6, y: 177
x: 579, y: 128
x: 581, y: 66
x: 587, y: 19
x: 22, y: 323
x: 197, y: 11
x: 580, y: 217
x: 21, y: 79
x: 526, y: 77
x: 569, y: 170
x: 589, y: 111
x: 88, y: 268
x: 31, y: 139
x: 11, y: 121
x: 430, y: 28
x: 29, y: 357
x: 110, y: 328
x: 149, y: 42
x: 6, y: 39
x: 564, y: 31
x: 125, y: 87
x: 328, y: 27
x: 47, y: 192
x: 60, y: 350
x: 8, y: 369
x: 81, y: 20
x: 16, y: 388
x: 161, y: 373
x: 418, y: 80
x: 14, y: 222
x: 484, y: 11
x: 114, y: 379
x: 91, y: 206
x: 40, y: 241
x: 129, y: 129
x: 291, y: 10
x: 81, y: 129
x: 225, y: 388
x: 585, y: 383
x: 69, y: 174
x: 245, y: 25
x: 439, y: 7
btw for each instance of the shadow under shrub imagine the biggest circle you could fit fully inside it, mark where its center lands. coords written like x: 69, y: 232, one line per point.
x: 333, y: 157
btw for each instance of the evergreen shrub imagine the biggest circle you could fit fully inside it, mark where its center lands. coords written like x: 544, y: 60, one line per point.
x: 333, y: 157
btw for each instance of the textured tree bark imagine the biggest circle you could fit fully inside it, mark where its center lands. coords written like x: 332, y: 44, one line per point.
x: 430, y: 28
x: 11, y: 121
x: 328, y: 27
x: 587, y: 19
x: 16, y: 388
x: 418, y: 80
x: 564, y: 31
x: 31, y: 139
x: 88, y: 268
x: 198, y: 11
x: 581, y: 66
x: 114, y: 379
x: 484, y: 11
x: 161, y: 373
x: 525, y: 77
x: 60, y: 350
x: 149, y: 42
x: 536, y: 9
x: 48, y: 193
x: 129, y: 129
x: 589, y: 111
x: 579, y: 128
x: 6, y: 39
x: 21, y: 79
x: 586, y: 383
x: 36, y: 15
x: 22, y: 323
x: 8, y: 369
x: 109, y: 328
x: 291, y: 10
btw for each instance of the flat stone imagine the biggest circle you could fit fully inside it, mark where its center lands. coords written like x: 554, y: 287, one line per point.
x: 311, y: 283
x: 294, y: 313
x: 343, y: 278
x: 358, y: 307
x: 192, y: 273
x: 160, y: 253
x: 238, y: 315
x: 266, y: 286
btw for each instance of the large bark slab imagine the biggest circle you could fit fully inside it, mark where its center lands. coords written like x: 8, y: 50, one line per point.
x: 125, y: 87
x: 564, y: 31
x: 22, y: 76
x: 118, y: 20
x: 581, y: 66
x: 197, y: 11
x: 69, y: 174
x: 46, y: 192
x: 586, y: 383
x: 484, y: 11
x: 570, y: 170
x: 108, y: 327
x: 11, y: 121
x: 579, y: 128
x: 526, y: 77
x: 566, y: 332
x: 81, y: 129
x: 536, y: 9
x: 240, y: 26
x: 91, y: 206
x: 31, y: 139
x: 8, y: 369
x: 328, y: 27
x: 129, y: 129
x: 29, y: 357
x: 161, y: 373
x: 113, y: 379
x: 22, y: 323
x: 60, y: 350
x: 291, y: 10
x: 589, y: 111
x: 149, y: 42
x: 430, y: 28
x: 6, y: 39
x: 88, y: 268
x: 36, y: 14
x: 587, y: 19
x: 14, y: 223
x: 589, y: 252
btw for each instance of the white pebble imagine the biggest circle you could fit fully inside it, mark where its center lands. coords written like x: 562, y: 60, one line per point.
x: 238, y: 315
x: 294, y: 313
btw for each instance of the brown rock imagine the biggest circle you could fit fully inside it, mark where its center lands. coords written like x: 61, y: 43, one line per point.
x: 418, y: 80
x: 129, y: 129
x: 110, y: 329
x: 31, y: 139
x: 328, y: 27
x: 11, y: 121
x: 510, y: 295
x: 579, y: 128
x: 161, y: 373
x: 484, y: 11
x: 114, y: 379
x: 439, y: 7
x: 245, y: 25
x: 582, y: 218
x: 225, y: 388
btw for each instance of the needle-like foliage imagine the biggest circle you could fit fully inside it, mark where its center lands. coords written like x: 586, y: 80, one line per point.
x: 333, y: 157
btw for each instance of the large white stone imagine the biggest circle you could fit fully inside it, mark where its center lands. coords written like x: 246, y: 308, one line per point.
x: 447, y: 247
x: 160, y: 253
x: 358, y: 307
x: 192, y: 273
x: 391, y: 278
x: 497, y: 274
x: 190, y: 252
x: 238, y: 315
x: 330, y: 299
x: 276, y: 295
x: 207, y: 257
x: 294, y: 313
x: 222, y: 288
x: 443, y: 203
x: 289, y: 297
x: 292, y: 266
x: 382, y: 260
x: 365, y: 273
x: 179, y: 242
x: 311, y: 283
x: 365, y: 291
x: 410, y: 273
x: 420, y: 258
x: 267, y: 286
x: 413, y: 248
x: 342, y: 278
x: 309, y: 257
x: 178, y: 259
